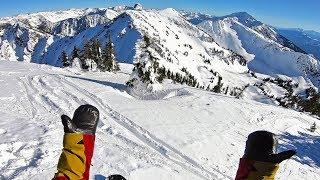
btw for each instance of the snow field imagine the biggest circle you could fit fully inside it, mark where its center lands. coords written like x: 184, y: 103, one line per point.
x: 191, y: 135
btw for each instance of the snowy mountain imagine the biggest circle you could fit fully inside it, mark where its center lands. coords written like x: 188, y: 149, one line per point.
x: 248, y: 21
x: 22, y: 43
x: 161, y: 115
x: 179, y: 45
x: 27, y: 37
x: 277, y: 58
x: 266, y: 50
x: 309, y: 41
x: 217, y: 54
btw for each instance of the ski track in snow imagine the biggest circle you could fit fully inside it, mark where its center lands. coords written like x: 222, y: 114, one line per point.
x: 164, y: 149
x: 43, y: 97
x: 49, y: 100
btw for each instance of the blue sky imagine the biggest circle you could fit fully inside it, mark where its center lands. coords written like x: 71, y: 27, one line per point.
x: 282, y: 13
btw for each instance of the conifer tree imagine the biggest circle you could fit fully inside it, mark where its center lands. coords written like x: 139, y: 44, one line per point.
x: 75, y: 53
x: 64, y: 59
x: 96, y: 51
x: 108, y: 60
x: 217, y: 88
x: 87, y: 51
x: 313, y: 127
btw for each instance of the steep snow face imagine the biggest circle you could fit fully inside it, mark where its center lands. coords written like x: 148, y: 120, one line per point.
x: 121, y: 31
x: 27, y: 37
x: 176, y: 44
x: 265, y: 30
x: 225, y: 36
x: 270, y: 33
x: 73, y: 26
x: 269, y: 56
x: 245, y: 19
x: 180, y: 47
x: 309, y: 41
x: 23, y: 44
x: 35, y: 19
x: 249, y: 21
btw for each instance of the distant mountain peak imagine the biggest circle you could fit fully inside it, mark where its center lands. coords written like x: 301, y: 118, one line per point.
x: 245, y: 19
x: 243, y: 14
x: 138, y: 6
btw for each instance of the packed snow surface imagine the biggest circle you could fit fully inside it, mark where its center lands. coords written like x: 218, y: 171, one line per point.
x: 191, y: 135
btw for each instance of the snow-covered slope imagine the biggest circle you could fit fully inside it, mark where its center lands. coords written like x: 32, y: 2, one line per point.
x: 22, y: 43
x: 27, y: 37
x: 187, y: 136
x: 36, y: 19
x: 178, y: 44
x: 248, y: 21
x: 182, y: 48
x: 265, y: 51
x: 173, y: 131
x: 269, y: 57
x: 73, y: 26
x: 309, y: 41
x: 210, y: 56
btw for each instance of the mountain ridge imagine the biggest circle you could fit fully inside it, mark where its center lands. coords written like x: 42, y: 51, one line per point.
x: 179, y: 50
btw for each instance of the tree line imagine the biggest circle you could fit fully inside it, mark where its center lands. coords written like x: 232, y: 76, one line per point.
x: 307, y: 101
x: 92, y: 52
x: 160, y: 72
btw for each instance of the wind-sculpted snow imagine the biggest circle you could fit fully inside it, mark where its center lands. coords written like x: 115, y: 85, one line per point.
x: 194, y: 135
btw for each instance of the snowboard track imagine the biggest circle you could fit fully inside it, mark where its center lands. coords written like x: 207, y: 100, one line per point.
x: 149, y: 139
x: 48, y: 100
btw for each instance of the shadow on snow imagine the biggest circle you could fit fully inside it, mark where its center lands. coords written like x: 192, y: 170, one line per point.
x: 306, y: 145
x: 118, y: 86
